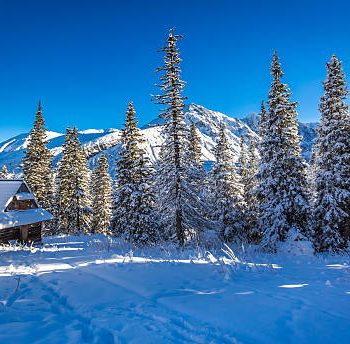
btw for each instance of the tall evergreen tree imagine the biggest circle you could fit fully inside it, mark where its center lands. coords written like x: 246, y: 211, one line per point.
x: 263, y: 115
x: 133, y: 205
x: 177, y: 200
x: 74, y: 213
x: 250, y: 194
x: 244, y: 180
x: 199, y: 183
x: 64, y: 186
x: 195, y: 165
x: 195, y: 148
x: 4, y: 174
x: 226, y: 192
x: 146, y: 218
x: 311, y: 177
x: 248, y: 171
x: 54, y: 226
x: 283, y: 204
x: 264, y: 145
x: 102, y: 197
x: 243, y: 163
x: 37, y: 169
x: 332, y: 163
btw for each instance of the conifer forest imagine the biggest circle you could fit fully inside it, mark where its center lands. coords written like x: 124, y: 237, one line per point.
x: 191, y: 227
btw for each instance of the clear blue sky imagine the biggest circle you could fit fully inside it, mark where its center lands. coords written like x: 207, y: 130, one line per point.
x: 87, y: 59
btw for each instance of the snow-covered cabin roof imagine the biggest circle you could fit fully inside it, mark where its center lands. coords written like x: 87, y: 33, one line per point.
x: 10, y: 188
x: 17, y: 218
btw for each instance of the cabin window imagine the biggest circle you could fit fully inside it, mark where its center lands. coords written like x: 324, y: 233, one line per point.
x: 23, y: 188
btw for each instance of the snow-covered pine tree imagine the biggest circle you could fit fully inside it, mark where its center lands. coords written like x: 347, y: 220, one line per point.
x: 244, y: 177
x: 133, y: 215
x: 262, y: 132
x: 37, y: 163
x: 74, y: 213
x: 177, y: 198
x: 283, y: 204
x: 195, y: 148
x: 146, y: 218
x: 250, y: 194
x: 125, y: 176
x: 101, y: 197
x: 199, y: 182
x: 248, y: 165
x: 311, y: 177
x: 64, y: 185
x: 226, y: 192
x: 243, y: 164
x: 262, y: 129
x: 332, y: 163
x: 4, y: 174
x: 54, y: 228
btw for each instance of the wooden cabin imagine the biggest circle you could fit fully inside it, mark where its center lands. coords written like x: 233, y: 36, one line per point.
x: 21, y: 217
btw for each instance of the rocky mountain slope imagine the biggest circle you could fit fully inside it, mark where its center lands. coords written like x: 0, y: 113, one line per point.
x: 107, y: 140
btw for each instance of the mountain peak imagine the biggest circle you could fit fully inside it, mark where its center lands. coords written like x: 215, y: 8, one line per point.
x: 96, y: 140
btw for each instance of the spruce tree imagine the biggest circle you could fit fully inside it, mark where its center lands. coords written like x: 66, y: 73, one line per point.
x: 74, y: 208
x: 101, y: 197
x: 243, y: 164
x: 177, y: 198
x: 199, y: 183
x: 250, y: 194
x: 244, y: 179
x: 54, y: 228
x: 263, y: 145
x: 311, y: 177
x: 332, y: 163
x: 146, y: 228
x: 262, y: 129
x: 37, y: 169
x: 248, y: 165
x: 195, y: 167
x: 283, y: 204
x: 195, y: 148
x: 133, y: 204
x: 64, y: 185
x: 4, y: 174
x: 226, y: 192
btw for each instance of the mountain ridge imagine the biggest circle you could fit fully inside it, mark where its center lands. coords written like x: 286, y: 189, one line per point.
x: 96, y: 140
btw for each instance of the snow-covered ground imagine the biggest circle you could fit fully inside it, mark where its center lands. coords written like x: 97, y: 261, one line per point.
x: 90, y: 289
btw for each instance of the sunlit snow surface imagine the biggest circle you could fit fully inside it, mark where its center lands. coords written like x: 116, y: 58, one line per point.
x: 94, y: 290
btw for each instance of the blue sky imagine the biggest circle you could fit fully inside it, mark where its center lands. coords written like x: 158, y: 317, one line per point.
x: 87, y: 59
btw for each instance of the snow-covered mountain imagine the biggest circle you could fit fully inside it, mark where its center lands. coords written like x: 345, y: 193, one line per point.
x: 107, y: 140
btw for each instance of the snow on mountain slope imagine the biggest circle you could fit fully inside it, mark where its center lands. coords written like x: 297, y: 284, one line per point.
x: 20, y: 142
x: 107, y: 140
x: 206, y: 121
x: 308, y: 132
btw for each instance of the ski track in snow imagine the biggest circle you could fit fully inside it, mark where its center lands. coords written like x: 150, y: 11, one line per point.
x: 72, y: 293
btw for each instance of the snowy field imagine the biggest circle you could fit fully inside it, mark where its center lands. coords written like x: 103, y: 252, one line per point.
x: 90, y: 290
